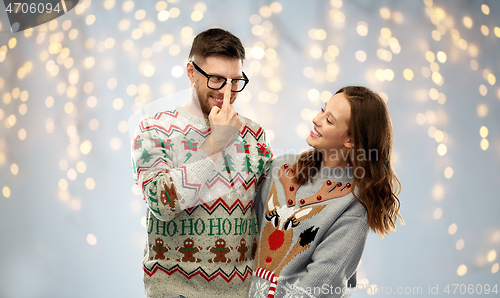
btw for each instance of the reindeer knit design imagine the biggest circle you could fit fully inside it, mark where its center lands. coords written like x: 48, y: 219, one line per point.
x: 200, y: 214
x: 311, y: 236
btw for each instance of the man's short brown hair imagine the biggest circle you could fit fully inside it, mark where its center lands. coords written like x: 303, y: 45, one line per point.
x: 217, y: 42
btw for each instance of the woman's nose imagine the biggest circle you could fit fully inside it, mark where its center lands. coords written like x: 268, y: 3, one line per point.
x: 316, y: 119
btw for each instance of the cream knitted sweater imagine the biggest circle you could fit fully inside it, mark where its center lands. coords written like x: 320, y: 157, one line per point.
x: 201, y: 224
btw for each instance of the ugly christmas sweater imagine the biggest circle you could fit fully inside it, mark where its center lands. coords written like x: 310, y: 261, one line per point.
x: 311, y: 236
x: 201, y: 224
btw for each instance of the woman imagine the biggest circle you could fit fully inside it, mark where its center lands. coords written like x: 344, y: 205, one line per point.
x: 316, y: 208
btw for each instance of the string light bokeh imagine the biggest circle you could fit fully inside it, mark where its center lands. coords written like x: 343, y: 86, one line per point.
x: 71, y: 216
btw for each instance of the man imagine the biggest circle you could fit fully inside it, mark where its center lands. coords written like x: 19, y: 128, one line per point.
x: 198, y: 168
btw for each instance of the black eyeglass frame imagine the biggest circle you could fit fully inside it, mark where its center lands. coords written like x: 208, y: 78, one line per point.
x: 245, y: 78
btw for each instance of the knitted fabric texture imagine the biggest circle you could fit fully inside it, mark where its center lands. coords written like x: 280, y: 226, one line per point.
x: 311, y: 236
x: 201, y: 224
x: 267, y: 275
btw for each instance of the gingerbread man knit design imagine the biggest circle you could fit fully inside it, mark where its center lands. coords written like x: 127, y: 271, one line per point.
x: 168, y: 195
x: 188, y: 250
x: 220, y: 250
x: 160, y: 250
x: 242, y: 249
x: 254, y: 248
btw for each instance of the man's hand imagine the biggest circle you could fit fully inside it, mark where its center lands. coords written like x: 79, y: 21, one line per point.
x: 226, y: 115
x: 224, y: 124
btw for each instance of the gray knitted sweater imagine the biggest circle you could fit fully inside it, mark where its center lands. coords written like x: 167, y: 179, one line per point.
x: 312, y: 236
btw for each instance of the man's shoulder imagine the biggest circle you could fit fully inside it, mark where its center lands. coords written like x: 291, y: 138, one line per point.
x: 251, y: 127
x: 249, y: 122
x: 170, y: 115
x: 167, y: 115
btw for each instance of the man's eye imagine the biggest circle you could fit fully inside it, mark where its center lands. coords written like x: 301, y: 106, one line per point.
x: 217, y: 79
x: 322, y: 110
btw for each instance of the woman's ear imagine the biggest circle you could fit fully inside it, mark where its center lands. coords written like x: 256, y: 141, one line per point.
x: 348, y: 142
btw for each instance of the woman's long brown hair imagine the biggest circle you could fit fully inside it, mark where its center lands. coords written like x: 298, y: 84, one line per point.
x: 370, y: 130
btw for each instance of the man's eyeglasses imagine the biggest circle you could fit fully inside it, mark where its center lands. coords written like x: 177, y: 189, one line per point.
x: 217, y: 82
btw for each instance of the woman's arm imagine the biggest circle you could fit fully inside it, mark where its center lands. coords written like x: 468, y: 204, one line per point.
x: 336, y: 258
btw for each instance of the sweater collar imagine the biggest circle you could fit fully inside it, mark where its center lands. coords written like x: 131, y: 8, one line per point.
x: 344, y: 174
x: 192, y: 118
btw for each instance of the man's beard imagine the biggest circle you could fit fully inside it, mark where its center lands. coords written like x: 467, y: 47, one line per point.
x: 205, y: 101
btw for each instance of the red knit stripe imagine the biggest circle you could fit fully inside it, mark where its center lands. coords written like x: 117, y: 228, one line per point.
x: 270, y: 276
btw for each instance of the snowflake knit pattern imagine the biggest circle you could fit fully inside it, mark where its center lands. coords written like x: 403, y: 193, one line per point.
x: 201, y: 225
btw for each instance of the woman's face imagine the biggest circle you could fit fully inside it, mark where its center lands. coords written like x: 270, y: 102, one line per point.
x: 329, y: 133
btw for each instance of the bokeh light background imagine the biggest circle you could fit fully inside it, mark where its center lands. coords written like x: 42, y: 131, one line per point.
x: 71, y: 223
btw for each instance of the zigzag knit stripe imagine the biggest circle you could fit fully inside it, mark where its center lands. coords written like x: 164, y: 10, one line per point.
x: 174, y: 128
x: 230, y: 183
x: 185, y: 183
x: 157, y: 162
x: 172, y: 114
x: 221, y: 203
x: 210, y: 183
x: 268, y: 275
x: 247, y: 130
x: 199, y: 271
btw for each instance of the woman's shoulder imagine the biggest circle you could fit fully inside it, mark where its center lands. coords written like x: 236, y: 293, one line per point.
x: 355, y: 208
x: 285, y: 159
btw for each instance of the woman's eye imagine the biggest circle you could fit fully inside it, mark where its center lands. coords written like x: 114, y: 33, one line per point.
x: 328, y: 121
x: 322, y: 110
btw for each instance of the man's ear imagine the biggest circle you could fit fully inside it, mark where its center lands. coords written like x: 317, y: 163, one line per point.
x: 190, y: 71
